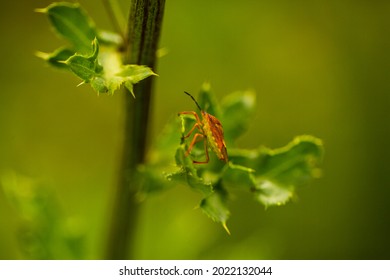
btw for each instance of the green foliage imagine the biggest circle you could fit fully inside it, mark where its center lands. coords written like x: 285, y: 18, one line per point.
x: 275, y: 174
x: 86, y: 66
x: 101, y: 66
x: 72, y: 23
x: 44, y: 232
x: 271, y: 175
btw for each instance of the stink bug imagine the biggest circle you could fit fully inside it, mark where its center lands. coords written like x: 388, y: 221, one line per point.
x: 210, y: 130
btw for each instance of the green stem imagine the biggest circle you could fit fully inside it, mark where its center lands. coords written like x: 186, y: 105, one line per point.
x: 143, y: 33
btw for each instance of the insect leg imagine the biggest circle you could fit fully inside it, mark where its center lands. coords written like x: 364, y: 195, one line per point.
x: 193, y: 142
x: 196, y: 125
x: 206, y: 152
x: 196, y: 139
x: 197, y: 136
x: 191, y: 113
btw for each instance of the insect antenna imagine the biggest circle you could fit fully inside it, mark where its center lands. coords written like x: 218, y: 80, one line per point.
x: 194, y: 100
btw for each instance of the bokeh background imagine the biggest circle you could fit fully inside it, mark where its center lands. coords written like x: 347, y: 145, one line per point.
x: 318, y: 67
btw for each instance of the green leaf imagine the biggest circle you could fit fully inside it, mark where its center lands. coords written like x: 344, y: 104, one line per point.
x: 270, y: 193
x: 271, y: 175
x: 116, y: 74
x: 238, y: 109
x: 160, y: 163
x: 72, y: 23
x: 215, y: 206
x: 208, y: 101
x: 45, y: 232
x: 278, y: 172
x: 86, y: 66
x: 57, y: 57
x: 102, y: 67
x: 187, y: 173
x: 293, y: 164
x: 98, y: 83
x: 238, y: 176
x: 110, y: 74
x: 235, y: 112
x: 165, y: 145
x: 132, y: 74
x: 152, y: 180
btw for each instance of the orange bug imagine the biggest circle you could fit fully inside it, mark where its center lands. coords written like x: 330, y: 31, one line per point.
x: 210, y: 130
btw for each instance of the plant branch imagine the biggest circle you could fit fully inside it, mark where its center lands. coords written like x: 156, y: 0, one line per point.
x: 143, y: 32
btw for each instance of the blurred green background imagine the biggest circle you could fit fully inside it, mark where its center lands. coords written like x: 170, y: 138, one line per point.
x: 318, y: 67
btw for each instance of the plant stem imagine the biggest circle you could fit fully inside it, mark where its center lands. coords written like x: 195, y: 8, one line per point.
x: 143, y: 33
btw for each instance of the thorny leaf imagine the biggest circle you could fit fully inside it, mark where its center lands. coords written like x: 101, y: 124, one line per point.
x: 101, y: 66
x: 271, y: 175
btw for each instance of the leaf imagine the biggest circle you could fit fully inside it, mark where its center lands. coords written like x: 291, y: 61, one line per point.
x: 57, y: 57
x: 99, y: 84
x: 187, y: 173
x: 208, y: 101
x: 269, y: 193
x: 214, y: 199
x: 132, y: 74
x: 45, y: 232
x: 72, y: 23
x: 235, y: 112
x: 102, y: 67
x: 295, y: 163
x: 160, y: 163
x: 86, y: 66
x: 116, y: 74
x: 238, y: 176
x: 166, y: 144
x: 238, y: 109
x: 278, y: 172
x: 110, y: 74
x: 271, y: 175
x: 151, y: 179
x: 215, y: 206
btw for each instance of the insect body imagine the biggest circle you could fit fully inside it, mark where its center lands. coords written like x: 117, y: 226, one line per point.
x: 210, y: 131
